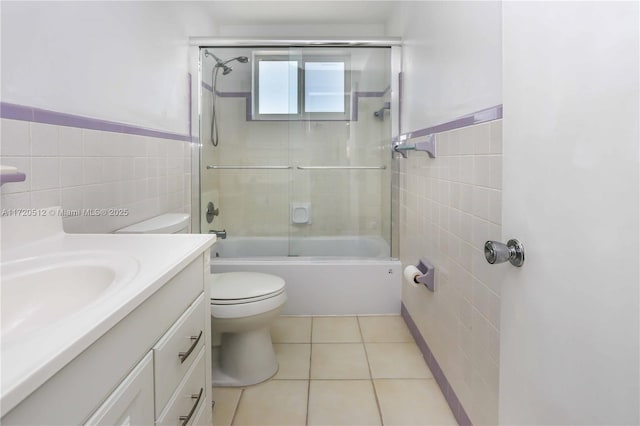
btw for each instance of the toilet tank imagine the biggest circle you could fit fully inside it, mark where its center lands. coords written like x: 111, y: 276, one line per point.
x: 170, y: 223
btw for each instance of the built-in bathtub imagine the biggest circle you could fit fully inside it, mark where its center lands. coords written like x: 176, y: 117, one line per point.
x: 324, y: 275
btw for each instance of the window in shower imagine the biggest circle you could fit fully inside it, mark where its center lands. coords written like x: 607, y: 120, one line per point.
x: 276, y: 87
x: 311, y: 88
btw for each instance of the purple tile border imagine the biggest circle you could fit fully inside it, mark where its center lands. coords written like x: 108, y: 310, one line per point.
x: 484, y: 115
x: 38, y: 115
x: 247, y: 96
x: 452, y: 399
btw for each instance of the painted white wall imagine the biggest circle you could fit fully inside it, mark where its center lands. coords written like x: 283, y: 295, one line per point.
x: 451, y: 59
x: 570, y: 316
x: 119, y: 61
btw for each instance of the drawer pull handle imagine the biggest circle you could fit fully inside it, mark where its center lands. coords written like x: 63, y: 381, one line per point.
x: 185, y: 419
x: 184, y: 355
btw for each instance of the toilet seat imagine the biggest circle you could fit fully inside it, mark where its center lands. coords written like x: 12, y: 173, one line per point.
x: 245, y: 299
x: 242, y: 287
x: 242, y: 294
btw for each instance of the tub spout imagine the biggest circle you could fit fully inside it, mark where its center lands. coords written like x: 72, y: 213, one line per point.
x: 220, y: 234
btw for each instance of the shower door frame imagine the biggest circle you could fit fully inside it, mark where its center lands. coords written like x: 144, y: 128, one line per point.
x: 195, y: 77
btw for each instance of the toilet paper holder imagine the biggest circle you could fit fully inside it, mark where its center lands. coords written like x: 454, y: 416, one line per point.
x: 428, y: 274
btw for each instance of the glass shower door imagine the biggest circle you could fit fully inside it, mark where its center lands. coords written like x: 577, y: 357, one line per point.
x: 247, y: 174
x: 295, y: 150
x: 340, y: 148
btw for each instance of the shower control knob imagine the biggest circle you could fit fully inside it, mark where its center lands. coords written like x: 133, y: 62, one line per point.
x: 496, y: 252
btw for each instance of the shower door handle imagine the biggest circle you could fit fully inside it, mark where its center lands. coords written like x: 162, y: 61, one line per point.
x: 496, y: 252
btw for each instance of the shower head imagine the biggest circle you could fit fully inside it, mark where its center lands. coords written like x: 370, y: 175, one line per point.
x: 218, y: 60
x: 223, y: 64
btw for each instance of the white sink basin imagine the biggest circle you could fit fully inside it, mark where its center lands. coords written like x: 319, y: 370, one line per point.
x: 38, y: 292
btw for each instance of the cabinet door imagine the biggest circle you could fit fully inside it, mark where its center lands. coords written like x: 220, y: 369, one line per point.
x: 132, y: 401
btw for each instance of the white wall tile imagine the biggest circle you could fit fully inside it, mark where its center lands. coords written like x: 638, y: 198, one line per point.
x: 140, y: 168
x: 71, y: 198
x: 496, y: 172
x: 45, y: 173
x: 70, y: 141
x: 19, y: 200
x: 92, y: 170
x: 94, y: 143
x: 481, y: 202
x: 481, y: 170
x: 482, y: 139
x: 44, y: 140
x: 14, y: 138
x: 461, y: 320
x: 71, y: 171
x: 495, y: 206
x: 46, y: 198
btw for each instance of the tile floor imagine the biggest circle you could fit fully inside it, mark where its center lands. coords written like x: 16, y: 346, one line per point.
x: 364, y: 370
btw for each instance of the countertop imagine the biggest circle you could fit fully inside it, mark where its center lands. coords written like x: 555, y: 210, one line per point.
x: 29, y: 362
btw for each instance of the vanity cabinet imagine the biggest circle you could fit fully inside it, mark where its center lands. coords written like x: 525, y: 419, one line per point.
x: 132, y: 402
x: 153, y: 366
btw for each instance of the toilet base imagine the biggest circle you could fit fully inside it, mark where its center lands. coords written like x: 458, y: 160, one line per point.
x: 245, y: 359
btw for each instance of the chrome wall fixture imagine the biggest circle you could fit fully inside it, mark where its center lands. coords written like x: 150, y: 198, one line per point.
x: 496, y: 252
x: 428, y: 145
x: 211, y: 212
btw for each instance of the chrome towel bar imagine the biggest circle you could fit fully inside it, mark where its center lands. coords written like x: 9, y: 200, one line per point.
x: 210, y: 167
x: 341, y: 167
x: 214, y: 167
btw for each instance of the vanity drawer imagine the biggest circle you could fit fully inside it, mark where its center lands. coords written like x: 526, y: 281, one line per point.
x: 176, y: 351
x: 190, y: 396
x: 132, y: 401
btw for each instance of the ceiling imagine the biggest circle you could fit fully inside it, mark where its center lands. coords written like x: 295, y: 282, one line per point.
x: 267, y: 12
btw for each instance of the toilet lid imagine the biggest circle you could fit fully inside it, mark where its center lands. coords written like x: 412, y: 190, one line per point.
x: 244, y: 285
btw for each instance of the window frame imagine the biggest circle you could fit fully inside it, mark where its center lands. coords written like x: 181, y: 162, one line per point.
x: 302, y: 59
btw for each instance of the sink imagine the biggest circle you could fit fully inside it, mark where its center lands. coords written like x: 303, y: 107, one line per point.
x: 39, y: 292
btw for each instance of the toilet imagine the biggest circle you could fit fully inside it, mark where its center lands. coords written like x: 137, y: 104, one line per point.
x: 243, y: 306
x: 170, y: 223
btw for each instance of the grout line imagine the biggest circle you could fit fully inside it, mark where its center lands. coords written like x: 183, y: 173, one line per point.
x: 309, y: 372
x: 373, y: 385
x: 235, y: 411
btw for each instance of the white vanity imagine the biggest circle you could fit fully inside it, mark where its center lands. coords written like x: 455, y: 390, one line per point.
x: 133, y: 348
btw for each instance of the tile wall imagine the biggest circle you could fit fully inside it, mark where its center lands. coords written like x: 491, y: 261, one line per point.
x: 89, y: 169
x: 448, y: 207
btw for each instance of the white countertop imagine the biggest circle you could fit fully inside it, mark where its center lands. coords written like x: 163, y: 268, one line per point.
x: 28, y: 362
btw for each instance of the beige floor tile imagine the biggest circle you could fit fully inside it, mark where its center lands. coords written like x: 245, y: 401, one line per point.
x: 342, y: 402
x: 291, y: 330
x: 335, y: 330
x: 226, y: 401
x: 396, y: 361
x: 339, y: 361
x: 293, y: 360
x: 381, y: 329
x: 412, y: 402
x: 276, y: 402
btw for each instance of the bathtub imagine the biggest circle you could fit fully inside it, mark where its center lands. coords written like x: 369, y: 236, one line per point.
x: 326, y: 276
